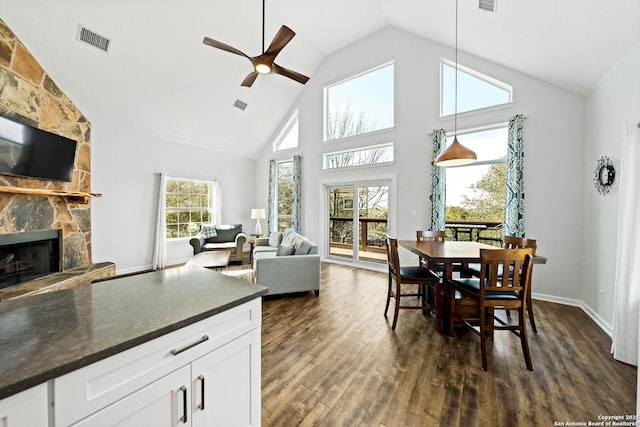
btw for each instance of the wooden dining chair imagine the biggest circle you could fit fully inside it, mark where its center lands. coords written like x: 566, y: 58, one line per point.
x: 513, y: 242
x: 431, y: 236
x: 413, y: 275
x: 492, y: 290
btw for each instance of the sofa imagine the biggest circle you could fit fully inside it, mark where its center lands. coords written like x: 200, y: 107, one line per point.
x: 220, y: 237
x: 286, y: 262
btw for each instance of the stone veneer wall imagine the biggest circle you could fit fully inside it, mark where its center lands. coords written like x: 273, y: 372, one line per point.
x: 29, y: 95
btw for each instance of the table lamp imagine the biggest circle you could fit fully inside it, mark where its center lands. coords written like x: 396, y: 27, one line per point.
x: 257, y: 214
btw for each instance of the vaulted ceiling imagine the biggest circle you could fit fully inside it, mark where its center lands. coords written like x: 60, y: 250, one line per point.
x: 159, y: 79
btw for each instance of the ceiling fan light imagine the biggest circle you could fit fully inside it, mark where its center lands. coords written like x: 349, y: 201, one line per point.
x: 263, y: 68
x: 456, y: 155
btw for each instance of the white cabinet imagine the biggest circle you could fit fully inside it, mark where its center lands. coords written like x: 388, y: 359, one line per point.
x: 163, y: 403
x: 26, y: 409
x: 161, y: 382
x: 226, y: 386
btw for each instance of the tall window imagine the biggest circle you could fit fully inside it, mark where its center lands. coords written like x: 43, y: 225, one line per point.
x: 285, y: 195
x: 189, y: 204
x: 477, y: 192
x: 288, y: 137
x: 475, y: 90
x: 360, y: 104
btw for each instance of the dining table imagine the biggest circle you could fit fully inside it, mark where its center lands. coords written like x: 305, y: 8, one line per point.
x: 449, y: 253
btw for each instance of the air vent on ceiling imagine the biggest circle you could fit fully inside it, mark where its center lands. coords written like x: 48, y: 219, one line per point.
x: 488, y: 5
x: 94, y: 39
x: 239, y: 104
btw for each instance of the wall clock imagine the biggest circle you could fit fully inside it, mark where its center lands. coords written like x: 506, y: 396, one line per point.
x: 603, y: 175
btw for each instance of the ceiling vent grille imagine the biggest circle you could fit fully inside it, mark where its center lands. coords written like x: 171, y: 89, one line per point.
x: 488, y: 5
x: 240, y: 105
x: 94, y: 39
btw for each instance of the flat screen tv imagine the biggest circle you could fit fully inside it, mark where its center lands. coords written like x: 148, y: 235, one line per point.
x: 35, y: 153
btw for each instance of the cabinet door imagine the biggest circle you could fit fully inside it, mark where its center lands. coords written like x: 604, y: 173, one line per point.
x: 25, y: 409
x: 229, y: 378
x: 163, y: 403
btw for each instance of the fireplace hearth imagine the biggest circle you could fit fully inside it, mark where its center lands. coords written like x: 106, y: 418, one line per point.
x: 28, y: 256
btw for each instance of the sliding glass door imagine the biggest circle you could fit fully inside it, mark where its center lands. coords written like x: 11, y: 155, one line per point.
x: 358, y: 222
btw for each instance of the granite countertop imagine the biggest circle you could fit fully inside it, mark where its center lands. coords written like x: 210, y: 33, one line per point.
x: 48, y: 335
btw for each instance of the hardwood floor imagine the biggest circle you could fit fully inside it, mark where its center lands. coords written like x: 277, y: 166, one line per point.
x: 333, y: 360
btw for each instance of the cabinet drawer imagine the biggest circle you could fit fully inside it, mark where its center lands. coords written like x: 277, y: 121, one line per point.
x: 89, y: 389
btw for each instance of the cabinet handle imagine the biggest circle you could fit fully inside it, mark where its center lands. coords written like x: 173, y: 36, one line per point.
x: 184, y: 418
x: 200, y: 341
x: 201, y: 405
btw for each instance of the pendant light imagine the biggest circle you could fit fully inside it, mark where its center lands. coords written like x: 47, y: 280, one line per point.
x: 456, y: 154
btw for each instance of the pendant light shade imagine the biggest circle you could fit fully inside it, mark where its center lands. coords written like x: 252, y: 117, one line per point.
x: 456, y: 154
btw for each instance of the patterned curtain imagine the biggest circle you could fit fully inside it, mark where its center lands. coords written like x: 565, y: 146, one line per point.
x: 514, y: 207
x: 296, y: 208
x: 272, y: 209
x: 438, y: 182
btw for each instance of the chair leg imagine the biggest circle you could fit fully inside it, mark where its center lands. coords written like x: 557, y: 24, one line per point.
x: 397, y: 309
x: 523, y: 339
x: 530, y: 311
x: 483, y: 336
x: 386, y: 308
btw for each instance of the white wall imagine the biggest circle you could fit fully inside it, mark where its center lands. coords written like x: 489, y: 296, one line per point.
x: 554, y: 141
x: 611, y: 105
x: 125, y: 164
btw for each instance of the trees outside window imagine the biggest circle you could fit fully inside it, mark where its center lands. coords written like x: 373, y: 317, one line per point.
x: 477, y: 192
x: 360, y: 104
x: 188, y: 204
x: 285, y: 195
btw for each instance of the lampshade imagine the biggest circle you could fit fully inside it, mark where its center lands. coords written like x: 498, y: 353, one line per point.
x: 456, y: 155
x: 257, y: 213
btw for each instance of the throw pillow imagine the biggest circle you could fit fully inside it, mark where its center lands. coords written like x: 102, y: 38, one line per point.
x: 303, y: 246
x: 208, y: 231
x: 275, y: 238
x: 284, y: 250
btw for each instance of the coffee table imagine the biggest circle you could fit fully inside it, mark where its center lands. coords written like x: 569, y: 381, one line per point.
x: 210, y: 259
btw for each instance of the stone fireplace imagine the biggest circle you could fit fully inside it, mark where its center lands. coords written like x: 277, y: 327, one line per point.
x: 29, y: 95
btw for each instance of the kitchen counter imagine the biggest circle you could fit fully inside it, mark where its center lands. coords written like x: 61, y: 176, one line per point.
x: 45, y: 336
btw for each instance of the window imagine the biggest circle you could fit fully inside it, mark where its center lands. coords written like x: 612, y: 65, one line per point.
x: 188, y: 204
x: 285, y: 195
x: 288, y: 137
x: 360, y: 104
x: 477, y: 192
x: 475, y: 90
x: 367, y: 156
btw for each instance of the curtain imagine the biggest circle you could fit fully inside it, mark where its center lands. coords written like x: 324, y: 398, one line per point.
x: 514, y: 206
x: 272, y: 209
x: 627, y: 284
x: 438, y: 183
x: 160, y: 247
x: 217, y: 202
x: 296, y: 208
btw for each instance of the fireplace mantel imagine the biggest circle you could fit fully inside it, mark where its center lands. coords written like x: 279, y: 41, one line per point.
x: 73, y: 196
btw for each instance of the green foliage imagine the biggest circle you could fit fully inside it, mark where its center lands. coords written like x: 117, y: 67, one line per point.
x: 487, y: 200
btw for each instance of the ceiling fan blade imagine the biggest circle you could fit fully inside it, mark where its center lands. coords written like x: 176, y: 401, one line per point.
x: 300, y: 78
x: 282, y: 37
x: 248, y: 81
x: 220, y: 45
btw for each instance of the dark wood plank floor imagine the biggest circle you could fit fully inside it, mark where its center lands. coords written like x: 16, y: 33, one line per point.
x: 333, y: 360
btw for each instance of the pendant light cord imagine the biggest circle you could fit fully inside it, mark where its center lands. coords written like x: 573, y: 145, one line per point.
x: 455, y: 117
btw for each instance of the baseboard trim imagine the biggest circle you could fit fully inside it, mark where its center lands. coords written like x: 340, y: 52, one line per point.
x: 603, y: 324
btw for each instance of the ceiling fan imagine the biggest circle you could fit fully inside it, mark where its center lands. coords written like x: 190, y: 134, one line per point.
x: 263, y: 63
